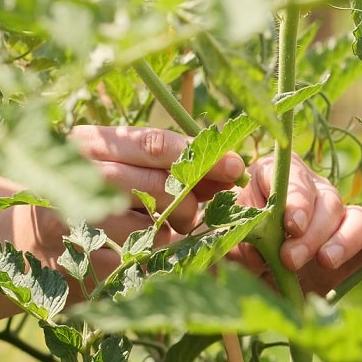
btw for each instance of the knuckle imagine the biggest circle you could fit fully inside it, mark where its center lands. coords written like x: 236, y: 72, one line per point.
x: 112, y: 172
x: 154, y: 142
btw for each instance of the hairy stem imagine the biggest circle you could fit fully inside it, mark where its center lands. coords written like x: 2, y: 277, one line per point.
x: 166, y: 98
x: 275, y: 235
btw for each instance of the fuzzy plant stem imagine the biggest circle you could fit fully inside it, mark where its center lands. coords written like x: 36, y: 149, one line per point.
x: 191, y: 128
x: 274, y: 233
x: 166, y: 98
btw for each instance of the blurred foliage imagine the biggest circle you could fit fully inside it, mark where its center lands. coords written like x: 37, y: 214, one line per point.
x: 69, y: 62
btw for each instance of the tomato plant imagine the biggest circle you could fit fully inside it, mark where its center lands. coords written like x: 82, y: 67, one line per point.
x: 109, y: 62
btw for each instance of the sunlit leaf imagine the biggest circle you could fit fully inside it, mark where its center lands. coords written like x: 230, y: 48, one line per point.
x: 63, y: 341
x: 41, y: 292
x: 207, y: 148
x: 23, y: 198
x: 113, y: 349
x: 87, y: 237
x: 76, y: 263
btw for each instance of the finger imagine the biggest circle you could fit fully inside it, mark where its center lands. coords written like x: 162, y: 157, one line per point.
x: 301, y: 194
x: 300, y: 204
x: 327, y: 217
x: 206, y: 189
x: 127, y: 177
x: 247, y: 255
x: 345, y: 243
x: 146, y: 147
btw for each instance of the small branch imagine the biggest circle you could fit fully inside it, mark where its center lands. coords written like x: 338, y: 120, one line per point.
x: 92, y: 271
x: 114, y: 246
x: 335, y: 295
x: 21, y: 324
x: 84, y: 290
x: 18, y: 343
x: 232, y: 347
x: 159, y: 347
x: 166, y: 98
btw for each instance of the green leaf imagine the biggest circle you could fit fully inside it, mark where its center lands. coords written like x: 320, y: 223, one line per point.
x: 198, y: 303
x: 113, y: 349
x: 242, y: 83
x: 189, y: 347
x: 234, y: 301
x: 63, y: 341
x: 147, y: 200
x: 41, y: 292
x: 88, y: 238
x: 356, y: 6
x: 23, y: 198
x: 138, y: 244
x: 222, y: 210
x: 76, y: 263
x: 305, y: 40
x: 131, y: 281
x: 289, y: 101
x: 198, y: 256
x: 207, y: 148
x: 36, y: 157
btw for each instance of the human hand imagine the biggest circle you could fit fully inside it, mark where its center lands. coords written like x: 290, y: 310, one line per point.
x: 128, y: 157
x: 323, y: 241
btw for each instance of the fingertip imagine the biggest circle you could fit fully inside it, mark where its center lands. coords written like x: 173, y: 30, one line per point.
x: 234, y: 167
x: 331, y: 256
x: 296, y: 222
x: 294, y: 255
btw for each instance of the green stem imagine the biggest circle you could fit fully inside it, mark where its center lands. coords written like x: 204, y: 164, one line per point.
x: 339, y: 292
x: 166, y: 98
x: 275, y: 235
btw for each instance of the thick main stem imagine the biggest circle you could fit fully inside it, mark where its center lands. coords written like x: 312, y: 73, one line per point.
x: 286, y: 280
x: 166, y: 98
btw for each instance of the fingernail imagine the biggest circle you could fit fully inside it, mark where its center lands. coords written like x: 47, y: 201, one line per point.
x: 234, y: 167
x: 301, y: 220
x: 334, y: 253
x: 299, y: 255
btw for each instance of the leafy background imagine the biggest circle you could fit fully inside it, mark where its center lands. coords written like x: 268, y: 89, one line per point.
x: 119, y: 86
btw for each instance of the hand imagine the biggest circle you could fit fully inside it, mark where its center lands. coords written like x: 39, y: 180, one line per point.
x: 323, y: 242
x: 128, y: 157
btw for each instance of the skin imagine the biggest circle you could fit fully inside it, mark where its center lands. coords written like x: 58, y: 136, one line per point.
x: 131, y: 157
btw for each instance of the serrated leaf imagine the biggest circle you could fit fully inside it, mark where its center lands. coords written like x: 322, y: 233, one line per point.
x: 88, y: 238
x: 289, y: 101
x: 234, y: 301
x: 138, y: 243
x: 222, y: 210
x: 198, y: 303
x: 356, y: 6
x: 75, y: 263
x: 63, y: 341
x: 147, y: 200
x: 113, y: 349
x: 131, y: 281
x: 199, y: 255
x: 208, y: 147
x: 41, y: 292
x: 241, y: 82
x: 23, y: 198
